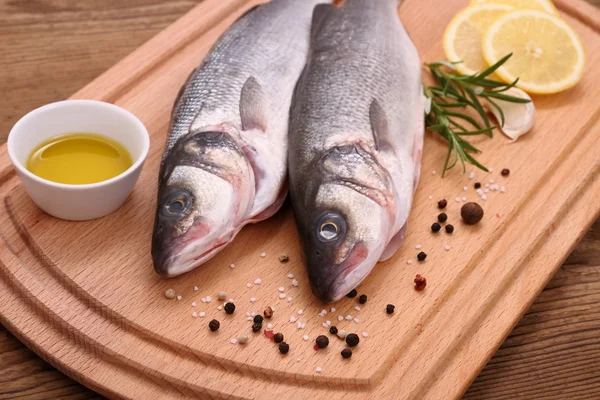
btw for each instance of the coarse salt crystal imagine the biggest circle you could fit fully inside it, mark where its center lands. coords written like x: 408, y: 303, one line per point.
x: 305, y: 337
x: 263, y: 254
x: 486, y: 190
x: 202, y: 314
x: 300, y: 312
x: 220, y: 308
x: 457, y: 199
x: 257, y: 281
x: 247, y: 313
x: 328, y: 322
x: 446, y: 247
x: 332, y: 309
x: 282, y: 296
x: 194, y: 314
x: 208, y: 299
x: 252, y: 299
x: 203, y: 299
x: 299, y: 325
x: 491, y: 181
x: 472, y: 175
x: 430, y: 197
x: 340, y: 318
x: 324, y: 312
x: 230, y: 300
x: 232, y: 266
x: 291, y: 276
x: 484, y: 197
x: 289, y: 299
x: 348, y: 317
x: 409, y: 262
x: 298, y: 359
x: 418, y: 247
x: 365, y: 334
x: 465, y: 188
x: 269, y: 326
x: 248, y: 285
x: 233, y: 341
x: 194, y: 304
x: 249, y: 318
x: 319, y: 369
x: 325, y: 325
x: 196, y: 288
x: 252, y: 314
x: 487, y: 185
x: 464, y: 198
x: 303, y: 326
x: 295, y: 283
x: 356, y: 320
x: 281, y: 289
x: 357, y: 308
x: 179, y: 297
x: 502, y: 189
x: 292, y: 319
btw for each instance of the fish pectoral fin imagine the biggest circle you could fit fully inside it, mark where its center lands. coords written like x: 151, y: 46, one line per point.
x: 380, y: 128
x: 320, y: 14
x: 394, y: 244
x: 252, y: 106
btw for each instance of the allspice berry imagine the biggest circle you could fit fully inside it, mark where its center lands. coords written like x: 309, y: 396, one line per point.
x: 471, y: 213
x: 278, y: 338
x: 268, y: 313
x: 214, y: 325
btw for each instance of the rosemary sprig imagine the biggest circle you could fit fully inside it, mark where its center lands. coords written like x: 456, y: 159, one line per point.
x: 455, y: 91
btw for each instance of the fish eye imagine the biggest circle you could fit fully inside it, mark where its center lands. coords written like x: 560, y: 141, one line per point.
x: 330, y: 227
x: 176, y: 203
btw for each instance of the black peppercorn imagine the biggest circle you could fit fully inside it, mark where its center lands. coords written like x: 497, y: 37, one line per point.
x: 322, y: 341
x: 421, y: 256
x: 436, y: 227
x: 278, y: 337
x: 477, y: 185
x: 352, y: 294
x: 258, y: 319
x: 442, y: 217
x: 347, y: 353
x: 362, y: 299
x: 284, y: 348
x: 505, y: 172
x: 229, y: 308
x: 256, y: 327
x: 390, y: 308
x: 333, y: 330
x: 352, y: 339
x: 442, y: 204
x: 449, y: 228
x: 214, y: 325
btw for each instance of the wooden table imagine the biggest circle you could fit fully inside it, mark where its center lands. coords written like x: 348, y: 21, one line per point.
x: 51, y: 48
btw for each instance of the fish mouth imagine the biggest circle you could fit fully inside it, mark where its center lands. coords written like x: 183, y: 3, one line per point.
x: 350, y: 274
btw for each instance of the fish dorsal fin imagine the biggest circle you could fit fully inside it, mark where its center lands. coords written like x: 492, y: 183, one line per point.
x: 252, y: 106
x: 320, y: 14
x: 380, y: 127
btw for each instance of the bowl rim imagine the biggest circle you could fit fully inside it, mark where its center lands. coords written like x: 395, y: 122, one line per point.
x: 93, y: 103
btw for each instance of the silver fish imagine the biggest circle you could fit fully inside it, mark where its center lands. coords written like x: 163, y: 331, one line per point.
x: 356, y: 138
x: 225, y: 161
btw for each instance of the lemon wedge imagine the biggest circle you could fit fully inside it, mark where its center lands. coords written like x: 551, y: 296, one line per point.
x: 463, y: 36
x: 541, y: 5
x: 548, y: 56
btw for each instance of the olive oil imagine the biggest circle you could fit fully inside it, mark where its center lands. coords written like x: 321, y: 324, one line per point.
x: 79, y: 158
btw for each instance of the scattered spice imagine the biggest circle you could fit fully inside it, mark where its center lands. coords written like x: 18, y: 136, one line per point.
x: 305, y: 337
x: 333, y: 330
x: 449, y: 228
x: 284, y: 348
x: 256, y: 327
x: 214, y: 325
x: 269, y: 333
x: 420, y: 282
x: 471, y: 213
x: 390, y: 308
x: 258, y: 319
x: 477, y: 185
x: 442, y: 217
x: 362, y: 299
x: 365, y: 334
x: 257, y: 281
x: 352, y: 339
x: 421, y: 256
x: 436, y: 227
x: 318, y: 369
x: 268, y: 313
x: 229, y: 308
x: 233, y: 340
x: 243, y: 339
x: 295, y: 283
x: 346, y: 353
x: 352, y: 293
x: 342, y: 334
x: 221, y: 295
x: 179, y: 298
x: 442, y: 204
x: 170, y: 294
x: 263, y: 254
x: 284, y: 258
x: 278, y: 337
x: 505, y: 172
x: 322, y: 341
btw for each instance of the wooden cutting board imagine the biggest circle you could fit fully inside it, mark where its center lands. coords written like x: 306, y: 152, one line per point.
x: 85, y: 298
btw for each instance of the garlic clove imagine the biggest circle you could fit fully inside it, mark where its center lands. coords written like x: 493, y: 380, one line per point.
x: 518, y: 117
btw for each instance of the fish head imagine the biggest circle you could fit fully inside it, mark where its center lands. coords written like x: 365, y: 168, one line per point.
x: 345, y: 227
x: 201, y: 199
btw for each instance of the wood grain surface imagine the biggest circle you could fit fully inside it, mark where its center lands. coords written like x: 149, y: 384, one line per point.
x: 552, y: 353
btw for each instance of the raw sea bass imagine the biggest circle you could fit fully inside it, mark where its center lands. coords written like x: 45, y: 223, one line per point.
x: 356, y: 138
x: 225, y: 161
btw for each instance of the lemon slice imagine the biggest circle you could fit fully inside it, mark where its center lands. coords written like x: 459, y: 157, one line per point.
x: 541, y: 5
x: 548, y: 56
x: 463, y: 36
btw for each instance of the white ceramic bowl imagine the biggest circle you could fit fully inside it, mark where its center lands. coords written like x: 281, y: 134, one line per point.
x: 78, y: 202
